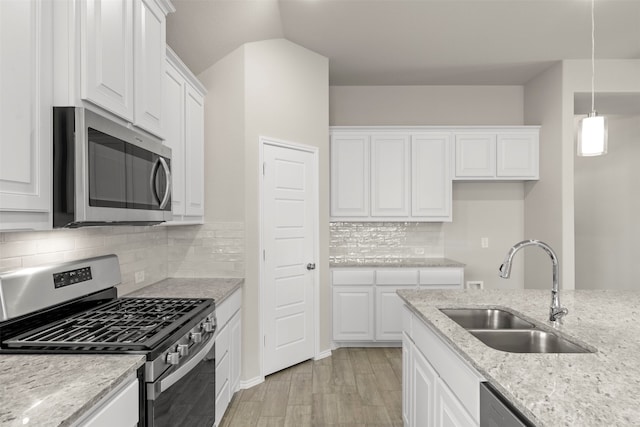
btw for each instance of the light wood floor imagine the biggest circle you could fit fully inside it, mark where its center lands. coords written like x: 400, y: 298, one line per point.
x: 355, y: 387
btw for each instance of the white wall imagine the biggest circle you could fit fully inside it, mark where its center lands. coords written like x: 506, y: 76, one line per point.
x: 543, y: 199
x: 276, y: 89
x: 493, y: 210
x: 607, y: 203
x: 549, y: 203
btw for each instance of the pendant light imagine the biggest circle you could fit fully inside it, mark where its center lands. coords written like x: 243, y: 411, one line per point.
x: 592, y: 130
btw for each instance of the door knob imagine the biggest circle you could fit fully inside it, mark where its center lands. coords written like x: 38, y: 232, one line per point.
x: 311, y: 266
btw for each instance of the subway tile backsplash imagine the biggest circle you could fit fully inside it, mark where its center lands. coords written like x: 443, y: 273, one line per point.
x: 388, y: 241
x: 209, y: 250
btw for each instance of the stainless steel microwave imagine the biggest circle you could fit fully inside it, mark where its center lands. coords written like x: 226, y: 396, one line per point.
x: 105, y: 173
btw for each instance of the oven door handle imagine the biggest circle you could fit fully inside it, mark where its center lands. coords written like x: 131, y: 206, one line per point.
x: 164, y: 384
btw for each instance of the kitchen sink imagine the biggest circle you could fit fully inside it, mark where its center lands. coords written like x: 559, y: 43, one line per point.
x: 486, y: 318
x: 527, y: 341
x: 505, y: 331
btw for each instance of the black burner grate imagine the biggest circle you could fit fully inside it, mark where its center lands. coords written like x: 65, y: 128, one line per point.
x: 125, y: 323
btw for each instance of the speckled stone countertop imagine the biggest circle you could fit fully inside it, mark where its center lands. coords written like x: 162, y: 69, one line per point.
x: 395, y: 262
x: 217, y: 288
x: 592, y: 389
x: 56, y: 390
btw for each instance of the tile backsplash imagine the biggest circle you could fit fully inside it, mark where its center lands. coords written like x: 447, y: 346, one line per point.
x: 160, y: 252
x: 357, y: 241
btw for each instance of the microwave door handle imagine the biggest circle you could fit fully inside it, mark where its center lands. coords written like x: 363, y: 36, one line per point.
x: 167, y: 189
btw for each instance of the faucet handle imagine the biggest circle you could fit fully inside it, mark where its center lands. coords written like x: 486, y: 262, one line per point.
x: 556, y: 314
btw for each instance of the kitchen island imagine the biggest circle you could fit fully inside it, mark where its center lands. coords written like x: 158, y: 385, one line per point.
x: 589, y: 389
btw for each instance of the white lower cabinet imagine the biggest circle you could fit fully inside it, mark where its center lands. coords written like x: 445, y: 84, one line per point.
x: 438, y: 387
x: 366, y: 307
x: 353, y: 312
x: 118, y: 408
x: 228, y: 350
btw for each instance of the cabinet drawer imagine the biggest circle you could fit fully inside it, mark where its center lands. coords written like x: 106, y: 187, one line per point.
x: 121, y: 409
x: 353, y: 277
x: 227, y: 308
x: 441, y: 276
x: 396, y: 277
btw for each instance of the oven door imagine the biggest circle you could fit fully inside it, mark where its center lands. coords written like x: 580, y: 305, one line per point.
x: 185, y: 397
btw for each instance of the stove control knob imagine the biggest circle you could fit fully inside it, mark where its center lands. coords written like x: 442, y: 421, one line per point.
x: 196, y: 337
x: 173, y: 358
x: 208, y: 326
x: 182, y: 349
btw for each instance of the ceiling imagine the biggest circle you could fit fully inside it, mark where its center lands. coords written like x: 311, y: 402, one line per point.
x: 412, y: 42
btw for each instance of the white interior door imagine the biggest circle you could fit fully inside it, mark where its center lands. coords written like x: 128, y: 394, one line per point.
x: 289, y: 202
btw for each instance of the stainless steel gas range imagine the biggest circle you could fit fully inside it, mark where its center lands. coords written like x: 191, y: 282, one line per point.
x: 74, y: 308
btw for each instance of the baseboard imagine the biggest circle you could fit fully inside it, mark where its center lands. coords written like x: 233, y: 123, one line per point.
x: 336, y: 345
x: 251, y: 383
x: 323, y: 354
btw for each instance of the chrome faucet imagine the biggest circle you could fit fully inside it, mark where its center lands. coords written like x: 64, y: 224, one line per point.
x: 556, y: 312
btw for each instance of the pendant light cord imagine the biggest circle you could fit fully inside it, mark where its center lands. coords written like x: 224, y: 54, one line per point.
x: 593, y: 56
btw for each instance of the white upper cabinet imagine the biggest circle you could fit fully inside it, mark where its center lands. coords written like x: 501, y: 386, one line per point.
x: 349, y: 175
x: 517, y: 155
x: 25, y: 122
x: 475, y: 155
x: 106, y: 29
x: 150, y: 46
x: 497, y: 154
x: 111, y: 54
x: 194, y: 152
x: 390, y: 175
x: 431, y: 176
x: 183, y: 127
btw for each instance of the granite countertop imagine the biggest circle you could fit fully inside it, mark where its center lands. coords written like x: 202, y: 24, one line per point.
x: 217, y: 288
x: 592, y: 389
x: 395, y: 262
x: 56, y: 390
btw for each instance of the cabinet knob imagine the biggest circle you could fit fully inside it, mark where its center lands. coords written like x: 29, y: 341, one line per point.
x: 311, y: 266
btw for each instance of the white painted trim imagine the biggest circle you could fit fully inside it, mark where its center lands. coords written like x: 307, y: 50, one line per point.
x: 480, y: 128
x: 250, y: 383
x: 377, y: 344
x: 263, y: 140
x: 322, y: 355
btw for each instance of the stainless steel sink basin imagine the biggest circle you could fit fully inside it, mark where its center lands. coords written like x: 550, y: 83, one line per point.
x: 486, y: 318
x: 527, y: 341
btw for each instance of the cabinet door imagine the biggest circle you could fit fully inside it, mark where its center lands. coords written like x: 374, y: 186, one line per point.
x: 406, y: 379
x: 222, y: 385
x: 349, y: 175
x: 194, y: 145
x: 25, y: 122
x: 431, y: 180
x: 517, y: 155
x: 475, y: 155
x: 107, y: 55
x: 390, y: 178
x: 448, y: 410
x: 173, y: 125
x: 235, y: 351
x: 389, y: 313
x: 423, y: 391
x: 149, y: 62
x: 353, y: 312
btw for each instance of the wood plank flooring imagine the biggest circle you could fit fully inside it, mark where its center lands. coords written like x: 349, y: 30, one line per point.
x: 355, y: 387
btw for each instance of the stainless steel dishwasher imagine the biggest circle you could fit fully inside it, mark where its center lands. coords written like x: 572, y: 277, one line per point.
x: 495, y: 411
